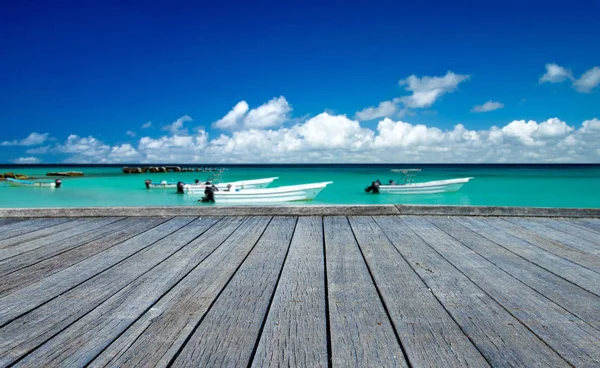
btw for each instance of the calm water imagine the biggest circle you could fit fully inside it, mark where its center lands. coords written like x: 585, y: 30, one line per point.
x: 543, y: 186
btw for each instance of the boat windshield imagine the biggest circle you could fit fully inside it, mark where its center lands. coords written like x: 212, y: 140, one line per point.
x: 409, y: 174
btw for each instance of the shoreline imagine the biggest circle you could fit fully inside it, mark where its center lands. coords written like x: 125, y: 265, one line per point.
x: 317, y: 210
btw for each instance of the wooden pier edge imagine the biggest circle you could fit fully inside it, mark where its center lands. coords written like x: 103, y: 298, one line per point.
x: 309, y: 210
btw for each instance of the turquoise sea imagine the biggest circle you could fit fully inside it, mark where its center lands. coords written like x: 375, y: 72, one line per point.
x: 494, y: 185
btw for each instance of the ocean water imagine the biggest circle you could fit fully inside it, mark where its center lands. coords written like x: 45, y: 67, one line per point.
x: 493, y: 185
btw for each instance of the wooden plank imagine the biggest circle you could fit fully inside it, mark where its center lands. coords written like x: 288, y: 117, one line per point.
x: 429, y: 335
x: 21, y: 231
x: 498, y: 335
x: 575, y: 273
x: 573, y: 339
x: 548, y: 242
x: 589, y: 224
x: 44, y: 261
x: 361, y: 331
x: 61, y: 234
x: 560, y: 236
x: 28, y: 331
x: 87, y: 337
x: 7, y: 221
x: 23, y: 300
x: 295, y: 332
x: 569, y: 227
x: 156, y: 337
x: 228, y: 333
x: 576, y: 300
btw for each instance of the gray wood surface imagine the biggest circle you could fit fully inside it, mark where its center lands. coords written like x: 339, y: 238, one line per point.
x: 362, y: 334
x: 498, y: 335
x: 86, y: 338
x: 157, y: 336
x: 571, y: 271
x: 428, y: 333
x: 575, y: 340
x: 61, y: 234
x: 7, y: 221
x: 32, y: 229
x: 573, y: 298
x: 589, y: 224
x: 34, y: 328
x: 572, y: 229
x: 33, y: 266
x: 227, y: 334
x: 295, y: 332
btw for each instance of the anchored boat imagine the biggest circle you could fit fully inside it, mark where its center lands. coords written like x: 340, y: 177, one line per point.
x: 241, y: 184
x: 289, y: 193
x: 410, y: 187
x: 35, y: 184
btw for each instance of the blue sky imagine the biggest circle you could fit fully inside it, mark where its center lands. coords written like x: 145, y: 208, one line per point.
x: 80, y: 75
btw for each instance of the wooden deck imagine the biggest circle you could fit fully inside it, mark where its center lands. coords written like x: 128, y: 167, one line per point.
x: 309, y: 291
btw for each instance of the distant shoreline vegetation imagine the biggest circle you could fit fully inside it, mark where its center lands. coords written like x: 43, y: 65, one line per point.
x: 316, y: 165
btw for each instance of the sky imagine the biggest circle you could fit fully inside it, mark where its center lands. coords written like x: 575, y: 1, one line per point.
x: 299, y: 81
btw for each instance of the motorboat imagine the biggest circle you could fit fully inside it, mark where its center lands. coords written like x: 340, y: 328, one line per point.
x: 410, y: 187
x: 288, y: 193
x: 34, y: 184
x: 241, y: 184
x: 160, y: 185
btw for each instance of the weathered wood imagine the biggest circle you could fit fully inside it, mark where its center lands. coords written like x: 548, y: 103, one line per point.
x: 23, y: 300
x: 573, y: 298
x: 498, y: 335
x: 34, y: 328
x: 22, y: 231
x: 575, y: 273
x: 559, y: 236
x: 62, y: 234
x: 429, y: 335
x: 361, y: 334
x: 86, y: 338
x: 570, y: 228
x: 156, y: 337
x: 7, y: 221
x: 44, y: 261
x: 295, y: 332
x: 227, y: 334
x: 563, y: 250
x: 589, y: 224
x: 576, y: 341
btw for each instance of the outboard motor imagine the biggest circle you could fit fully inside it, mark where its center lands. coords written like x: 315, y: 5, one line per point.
x: 57, y: 183
x: 374, y: 187
x: 209, y: 194
x: 180, y: 186
x: 147, y: 182
x: 197, y: 181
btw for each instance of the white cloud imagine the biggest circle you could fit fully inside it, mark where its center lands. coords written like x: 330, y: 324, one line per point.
x: 588, y: 81
x: 147, y: 125
x: 555, y: 74
x: 38, y: 150
x: 271, y: 114
x: 488, y: 106
x: 385, y: 109
x: 590, y: 126
x: 130, y: 133
x: 32, y: 139
x: 84, y: 149
x: 123, y: 153
x: 532, y: 133
x: 174, y: 148
x: 176, y: 127
x: 426, y: 90
x: 26, y: 160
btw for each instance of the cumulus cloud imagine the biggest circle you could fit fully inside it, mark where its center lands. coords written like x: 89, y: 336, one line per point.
x: 130, y: 133
x: 555, y: 74
x: 271, y: 114
x: 385, y: 109
x: 173, y: 148
x: 176, y: 127
x: 426, y: 90
x: 488, y: 106
x: 26, y: 160
x: 588, y: 81
x: 32, y: 139
x: 147, y: 125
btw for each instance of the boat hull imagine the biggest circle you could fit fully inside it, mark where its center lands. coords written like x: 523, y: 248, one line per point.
x: 243, y: 184
x: 291, y: 193
x: 430, y: 187
x: 31, y: 184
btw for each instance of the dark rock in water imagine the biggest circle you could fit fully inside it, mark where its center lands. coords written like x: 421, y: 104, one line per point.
x: 65, y: 173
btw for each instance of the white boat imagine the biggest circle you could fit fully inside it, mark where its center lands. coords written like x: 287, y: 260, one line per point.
x: 288, y: 193
x: 160, y: 185
x: 241, y: 184
x: 428, y: 187
x: 34, y: 184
